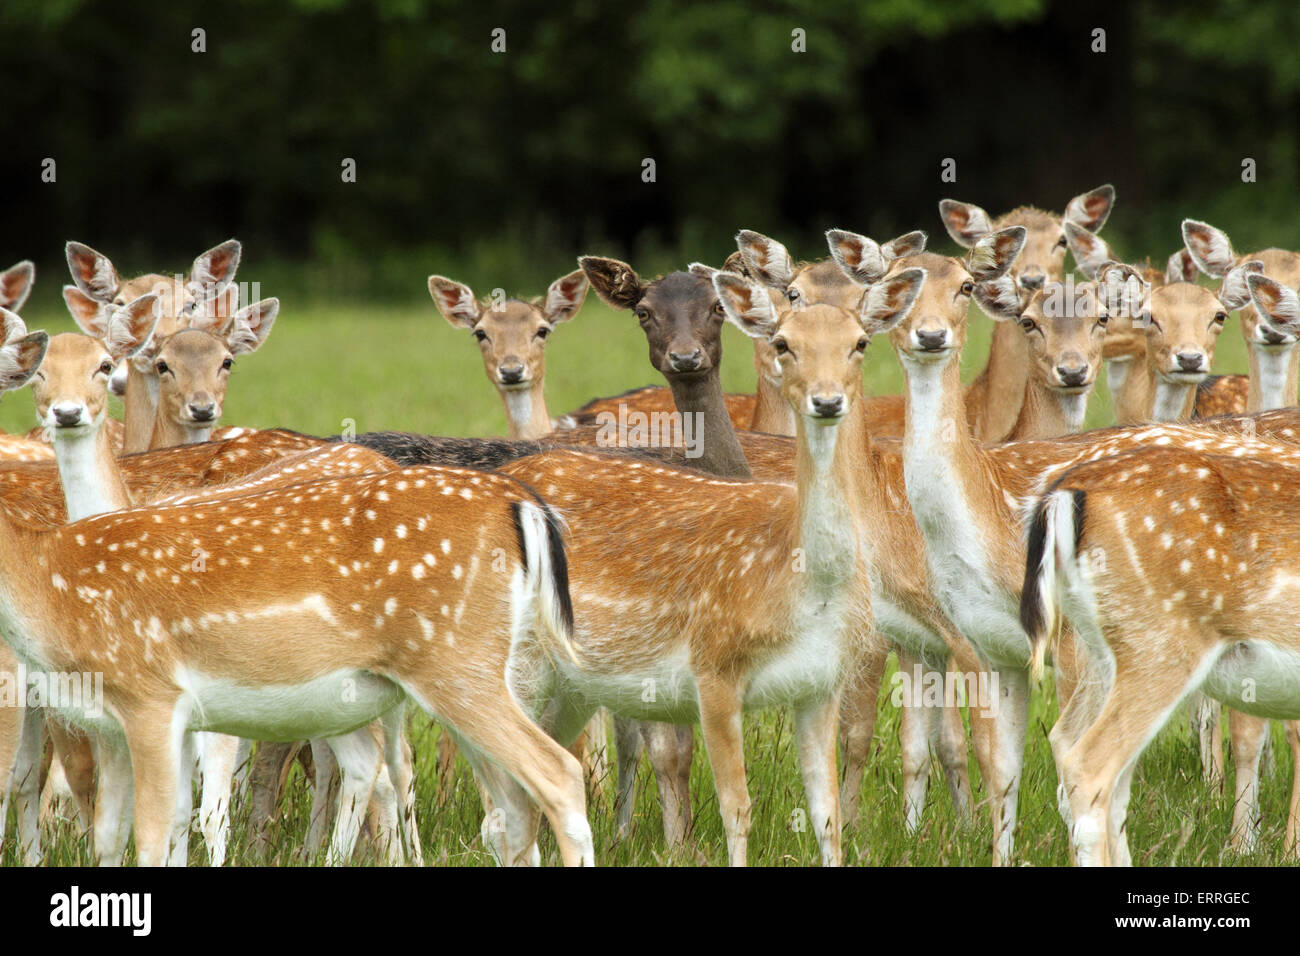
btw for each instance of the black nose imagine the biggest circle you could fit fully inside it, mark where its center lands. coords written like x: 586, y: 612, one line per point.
x: 202, y: 413
x: 67, y: 417
x: 1271, y: 336
x: 1032, y: 280
x: 511, y: 374
x: 1189, y: 361
x: 686, y: 363
x: 932, y: 341
x: 828, y: 406
x: 1072, y: 376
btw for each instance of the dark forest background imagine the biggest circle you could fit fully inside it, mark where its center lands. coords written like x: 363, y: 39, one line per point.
x: 513, y: 163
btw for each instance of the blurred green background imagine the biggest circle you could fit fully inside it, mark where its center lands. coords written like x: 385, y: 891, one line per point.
x: 499, y: 168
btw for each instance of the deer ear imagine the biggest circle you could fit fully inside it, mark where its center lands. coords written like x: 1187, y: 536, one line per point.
x: 1000, y: 298
x: 908, y: 244
x: 1181, y: 267
x: 735, y: 263
x: 251, y: 325
x: 20, y: 359
x: 455, y: 301
x: 1090, y: 250
x: 214, y: 270
x: 1123, y: 290
x: 1209, y: 248
x: 860, y: 258
x: 966, y: 224
x: 1277, y: 304
x: 703, y: 271
x: 888, y: 301
x: 16, y: 284
x: 91, y: 315
x: 565, y: 297
x: 748, y: 305
x: 12, y: 327
x: 92, y: 272
x: 996, y: 253
x: 1091, y: 209
x: 615, y: 281
x: 1234, y: 293
x: 766, y: 260
x: 130, y: 327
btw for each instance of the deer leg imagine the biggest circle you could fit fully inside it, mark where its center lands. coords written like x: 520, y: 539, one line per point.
x: 664, y: 746
x: 1207, y: 713
x: 952, y: 751
x: 1292, y: 728
x: 178, y: 849
x: 358, y: 760
x: 401, y: 769
x: 113, y: 799
x: 1247, y: 735
x: 270, y: 767
x: 815, y: 729
x: 446, y: 765
x: 156, y: 752
x: 721, y: 724
x: 858, y: 724
x: 914, y: 739
x: 596, y: 755
x: 324, y: 796
x: 1007, y: 759
x: 72, y: 773
x: 25, y: 782
x: 218, y: 754
x: 627, y: 744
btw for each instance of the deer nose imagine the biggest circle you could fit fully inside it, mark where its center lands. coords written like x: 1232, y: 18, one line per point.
x: 1072, y: 375
x: 931, y: 340
x: 1190, y: 361
x: 202, y: 412
x: 1271, y: 336
x: 828, y: 406
x: 1032, y: 280
x: 687, y: 362
x: 66, y: 416
x: 511, y: 374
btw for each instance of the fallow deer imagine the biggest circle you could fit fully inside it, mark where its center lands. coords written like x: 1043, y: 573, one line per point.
x: 993, y: 399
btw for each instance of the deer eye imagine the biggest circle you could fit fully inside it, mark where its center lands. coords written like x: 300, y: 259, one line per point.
x: 792, y: 295
x: 643, y: 315
x: 1061, y: 243
x: 717, y: 308
x: 106, y: 367
x: 480, y: 335
x: 227, y: 363
x: 543, y: 332
x: 1102, y: 318
x: 780, y: 347
x: 1220, y: 317
x: 967, y: 288
x: 1028, y: 324
x: 162, y: 367
x: 862, y: 344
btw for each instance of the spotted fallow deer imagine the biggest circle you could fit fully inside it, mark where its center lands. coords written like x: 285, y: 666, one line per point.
x: 447, y: 569
x: 512, y: 336
x: 767, y: 590
x: 15, y: 287
x: 1193, y: 593
x: 206, y: 292
x: 993, y: 398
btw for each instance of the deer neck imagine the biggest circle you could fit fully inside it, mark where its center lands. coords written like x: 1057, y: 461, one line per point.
x: 831, y: 470
x: 168, y: 433
x: 140, y: 408
x: 526, y: 415
x: 1170, y: 401
x: 1047, y: 413
x: 1130, y: 393
x: 944, y: 469
x: 1005, y: 377
x: 703, y: 409
x: 772, y: 413
x: 88, y: 471
x: 1273, y: 378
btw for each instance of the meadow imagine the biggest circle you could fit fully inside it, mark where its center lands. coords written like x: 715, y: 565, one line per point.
x: 399, y: 365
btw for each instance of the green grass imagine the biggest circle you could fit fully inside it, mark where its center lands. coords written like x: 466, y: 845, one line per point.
x: 405, y: 368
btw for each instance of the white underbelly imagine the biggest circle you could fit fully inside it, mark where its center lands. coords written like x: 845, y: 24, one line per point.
x: 1257, y: 678
x: 336, y: 703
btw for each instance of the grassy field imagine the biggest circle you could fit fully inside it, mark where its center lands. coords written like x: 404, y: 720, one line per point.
x: 405, y: 368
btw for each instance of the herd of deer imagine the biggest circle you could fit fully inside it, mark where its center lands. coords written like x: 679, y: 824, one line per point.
x: 241, y: 585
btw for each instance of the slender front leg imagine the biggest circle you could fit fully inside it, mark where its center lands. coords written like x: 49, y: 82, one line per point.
x: 113, y: 800
x: 218, y: 754
x: 156, y: 739
x: 671, y: 749
x: 178, y: 849
x: 815, y: 728
x: 858, y: 724
x: 401, y: 769
x: 271, y: 766
x: 627, y: 743
x: 722, y: 727
x: 1007, y: 760
x: 1247, y: 735
x: 26, y: 783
